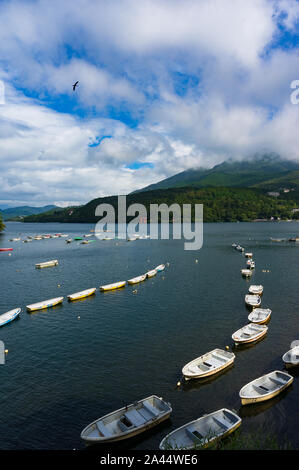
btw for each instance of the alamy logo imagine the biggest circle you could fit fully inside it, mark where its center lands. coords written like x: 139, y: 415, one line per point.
x: 187, y: 222
x: 2, y: 92
x: 2, y: 353
x: 295, y: 94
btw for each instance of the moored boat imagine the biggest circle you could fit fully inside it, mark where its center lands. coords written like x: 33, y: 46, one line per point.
x: 208, y: 364
x: 44, y: 304
x: 253, y: 300
x: 256, y: 290
x: 115, y: 285
x: 127, y: 421
x: 203, y: 431
x: 260, y: 315
x: 248, y: 255
x: 47, y: 264
x: 246, y: 272
x: 6, y: 249
x: 291, y: 358
x: 151, y: 273
x: 249, y: 333
x: 82, y: 294
x: 265, y: 387
x: 9, y: 316
x: 137, y: 279
x: 161, y: 267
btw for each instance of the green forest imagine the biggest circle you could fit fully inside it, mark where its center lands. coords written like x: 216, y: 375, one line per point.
x: 220, y: 205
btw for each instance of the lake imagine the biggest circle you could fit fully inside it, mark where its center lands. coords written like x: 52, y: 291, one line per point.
x: 69, y: 365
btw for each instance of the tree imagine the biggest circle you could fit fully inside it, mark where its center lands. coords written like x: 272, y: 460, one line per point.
x: 2, y: 226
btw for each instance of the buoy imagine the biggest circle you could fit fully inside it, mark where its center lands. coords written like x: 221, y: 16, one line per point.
x: 227, y: 348
x: 178, y: 384
x: 78, y: 318
x: 58, y: 285
x: 196, y: 261
x: 135, y: 291
x: 6, y: 351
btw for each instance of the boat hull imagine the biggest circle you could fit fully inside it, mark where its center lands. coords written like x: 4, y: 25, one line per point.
x: 250, y: 400
x: 81, y: 295
x: 47, y: 304
x: 118, y: 285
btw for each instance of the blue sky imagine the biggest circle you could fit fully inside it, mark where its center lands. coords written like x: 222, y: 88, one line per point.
x: 164, y: 85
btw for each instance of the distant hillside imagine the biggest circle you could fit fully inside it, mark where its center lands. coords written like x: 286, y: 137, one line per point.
x: 220, y: 205
x: 268, y: 173
x: 17, y: 213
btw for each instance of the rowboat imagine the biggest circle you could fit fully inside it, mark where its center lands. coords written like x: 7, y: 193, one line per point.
x: 127, y: 421
x: 77, y: 238
x: 249, y: 333
x: 291, y: 358
x: 260, y: 315
x: 256, y: 290
x: 45, y: 304
x: 6, y: 249
x: 131, y: 239
x: 253, y: 300
x: 9, y: 316
x: 248, y: 255
x: 246, y: 272
x: 14, y: 239
x: 252, y: 264
x: 265, y: 387
x: 116, y: 285
x: 137, y: 279
x: 240, y: 248
x: 68, y: 240
x: 161, y: 267
x: 47, y: 264
x: 234, y: 245
x: 151, y: 273
x: 82, y: 294
x: 208, y: 364
x: 203, y: 431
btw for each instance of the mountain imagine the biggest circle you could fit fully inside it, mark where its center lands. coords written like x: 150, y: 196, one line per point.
x: 269, y: 173
x: 17, y: 213
x: 220, y: 205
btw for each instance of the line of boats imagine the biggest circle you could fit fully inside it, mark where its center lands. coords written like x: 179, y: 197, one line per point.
x: 7, y: 317
x: 204, y: 431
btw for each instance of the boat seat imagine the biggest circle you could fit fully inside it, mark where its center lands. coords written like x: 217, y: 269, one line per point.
x: 151, y: 409
x: 135, y: 418
x: 207, y: 364
x: 220, y: 358
x: 260, y: 389
x: 192, y: 436
x: 103, y: 429
x: 221, y: 423
x: 277, y: 381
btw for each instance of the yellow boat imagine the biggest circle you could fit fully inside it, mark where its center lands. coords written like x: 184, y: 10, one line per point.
x: 82, y: 294
x: 116, y: 285
x: 44, y: 304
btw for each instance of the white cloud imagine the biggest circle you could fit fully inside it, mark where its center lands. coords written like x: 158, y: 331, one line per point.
x: 136, y: 57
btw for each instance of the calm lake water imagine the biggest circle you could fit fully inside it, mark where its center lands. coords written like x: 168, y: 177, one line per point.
x: 72, y: 364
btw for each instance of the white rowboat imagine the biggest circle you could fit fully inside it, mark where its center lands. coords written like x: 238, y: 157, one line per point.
x: 246, y: 272
x: 208, y: 364
x: 116, y: 285
x: 151, y: 273
x: 127, y: 421
x: 260, y: 315
x: 256, y: 290
x: 265, y: 387
x: 249, y: 333
x: 9, y: 316
x: 253, y: 300
x: 161, y: 267
x: 137, y: 279
x: 291, y: 358
x: 47, y: 264
x: 203, y: 431
x: 45, y: 304
x: 82, y: 294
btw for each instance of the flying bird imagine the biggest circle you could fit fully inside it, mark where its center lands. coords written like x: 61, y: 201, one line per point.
x: 75, y: 84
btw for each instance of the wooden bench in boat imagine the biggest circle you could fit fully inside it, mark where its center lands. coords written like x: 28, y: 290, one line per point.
x: 135, y: 418
x: 221, y: 423
x: 260, y: 388
x: 277, y: 381
x: 194, y: 435
x: 151, y: 409
x: 103, y: 429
